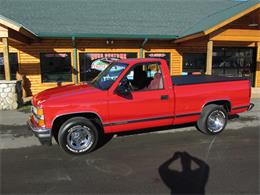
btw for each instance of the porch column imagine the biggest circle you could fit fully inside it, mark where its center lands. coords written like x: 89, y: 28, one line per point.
x: 75, y: 62
x: 6, y: 59
x: 257, y: 76
x: 141, y: 52
x: 209, y: 57
x: 4, y: 34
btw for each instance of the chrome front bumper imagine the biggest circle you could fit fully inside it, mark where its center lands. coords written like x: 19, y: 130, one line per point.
x: 43, y: 134
x: 250, y: 107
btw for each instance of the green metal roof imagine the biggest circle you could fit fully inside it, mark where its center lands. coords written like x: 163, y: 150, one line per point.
x: 218, y: 17
x: 158, y: 19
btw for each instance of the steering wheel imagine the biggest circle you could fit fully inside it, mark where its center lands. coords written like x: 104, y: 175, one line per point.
x: 127, y: 83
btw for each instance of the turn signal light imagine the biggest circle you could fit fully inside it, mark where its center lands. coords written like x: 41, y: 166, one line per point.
x: 41, y: 122
x: 39, y: 111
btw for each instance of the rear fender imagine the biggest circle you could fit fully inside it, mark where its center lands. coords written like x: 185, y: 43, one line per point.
x: 223, y: 102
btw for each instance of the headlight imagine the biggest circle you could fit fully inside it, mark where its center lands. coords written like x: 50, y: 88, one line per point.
x: 38, y: 115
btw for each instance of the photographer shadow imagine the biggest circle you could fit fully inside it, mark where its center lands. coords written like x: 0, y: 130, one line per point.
x: 187, y: 180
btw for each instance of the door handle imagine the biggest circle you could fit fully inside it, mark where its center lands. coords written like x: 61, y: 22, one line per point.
x: 164, y: 97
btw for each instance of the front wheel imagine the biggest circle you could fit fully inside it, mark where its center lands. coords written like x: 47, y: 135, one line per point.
x: 78, y: 135
x: 213, y: 119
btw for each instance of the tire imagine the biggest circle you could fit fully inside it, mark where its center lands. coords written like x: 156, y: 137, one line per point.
x: 78, y: 135
x: 213, y: 119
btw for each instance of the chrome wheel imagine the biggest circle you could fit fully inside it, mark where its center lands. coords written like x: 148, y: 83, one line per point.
x: 216, y: 121
x: 80, y: 138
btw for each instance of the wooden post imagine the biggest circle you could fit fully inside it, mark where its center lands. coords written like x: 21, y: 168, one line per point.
x: 141, y: 53
x: 209, y: 57
x: 257, y: 76
x: 75, y: 64
x: 6, y: 59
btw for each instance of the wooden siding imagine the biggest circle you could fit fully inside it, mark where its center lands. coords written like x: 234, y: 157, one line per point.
x: 29, y: 61
x: 240, y: 30
x: 234, y: 44
x: 29, y: 55
x: 237, y: 35
x: 242, y: 23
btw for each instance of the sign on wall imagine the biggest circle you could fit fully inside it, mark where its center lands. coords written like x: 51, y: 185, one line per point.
x: 165, y: 56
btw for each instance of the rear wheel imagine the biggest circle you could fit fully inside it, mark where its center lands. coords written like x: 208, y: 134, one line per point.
x: 78, y: 135
x: 213, y: 119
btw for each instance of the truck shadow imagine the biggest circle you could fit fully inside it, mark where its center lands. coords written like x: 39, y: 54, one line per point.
x: 154, y: 129
x: 236, y: 117
x: 176, y: 128
x: 186, y: 179
x: 107, y: 137
x: 233, y: 117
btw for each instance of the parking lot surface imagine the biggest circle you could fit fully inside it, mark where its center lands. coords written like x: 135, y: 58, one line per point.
x: 161, y: 161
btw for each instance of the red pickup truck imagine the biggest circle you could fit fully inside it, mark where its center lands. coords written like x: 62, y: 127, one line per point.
x: 135, y: 94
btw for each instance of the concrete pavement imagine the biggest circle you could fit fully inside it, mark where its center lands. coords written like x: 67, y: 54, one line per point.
x: 179, y: 160
x: 147, y: 164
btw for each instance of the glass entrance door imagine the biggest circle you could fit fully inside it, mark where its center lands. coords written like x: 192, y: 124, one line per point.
x: 234, y: 62
x: 91, y: 64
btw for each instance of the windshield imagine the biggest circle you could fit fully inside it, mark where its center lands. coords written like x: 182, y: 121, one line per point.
x: 106, y: 79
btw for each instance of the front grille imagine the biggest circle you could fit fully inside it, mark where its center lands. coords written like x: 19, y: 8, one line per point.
x: 34, y: 113
x: 34, y: 110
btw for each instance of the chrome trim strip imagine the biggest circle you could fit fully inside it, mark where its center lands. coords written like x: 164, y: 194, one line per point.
x: 240, y: 107
x: 186, y: 115
x: 251, y: 106
x: 137, y: 120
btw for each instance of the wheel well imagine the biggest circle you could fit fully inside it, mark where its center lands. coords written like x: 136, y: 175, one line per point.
x: 61, y: 119
x: 225, y: 103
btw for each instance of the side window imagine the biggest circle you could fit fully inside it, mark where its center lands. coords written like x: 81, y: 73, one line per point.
x: 144, y: 77
x: 194, y: 63
x: 13, y: 65
x: 56, y: 67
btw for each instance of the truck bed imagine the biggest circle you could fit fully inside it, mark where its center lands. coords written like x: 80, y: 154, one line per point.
x: 200, y: 79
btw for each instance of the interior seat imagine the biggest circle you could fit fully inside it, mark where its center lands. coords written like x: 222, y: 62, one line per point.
x: 157, y: 82
x: 140, y: 78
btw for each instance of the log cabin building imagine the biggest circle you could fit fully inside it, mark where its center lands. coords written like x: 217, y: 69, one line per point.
x: 56, y: 42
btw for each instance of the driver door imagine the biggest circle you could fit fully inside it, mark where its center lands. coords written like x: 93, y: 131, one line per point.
x: 144, y: 106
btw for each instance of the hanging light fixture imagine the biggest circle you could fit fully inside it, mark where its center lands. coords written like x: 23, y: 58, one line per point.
x: 254, y: 20
x: 253, y: 24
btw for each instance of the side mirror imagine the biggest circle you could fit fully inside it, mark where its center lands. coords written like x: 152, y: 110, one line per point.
x: 123, y: 89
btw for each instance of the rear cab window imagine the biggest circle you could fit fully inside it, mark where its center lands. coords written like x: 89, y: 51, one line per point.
x: 145, y: 77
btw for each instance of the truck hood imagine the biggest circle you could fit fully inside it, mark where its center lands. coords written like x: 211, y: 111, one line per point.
x: 63, y: 92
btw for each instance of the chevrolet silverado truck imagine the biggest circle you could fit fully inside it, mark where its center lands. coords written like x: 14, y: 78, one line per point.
x: 135, y: 94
